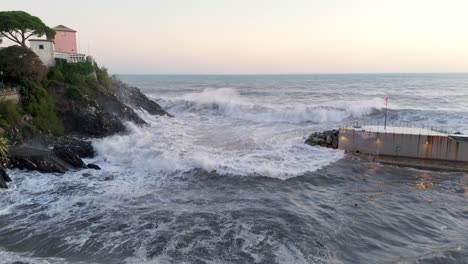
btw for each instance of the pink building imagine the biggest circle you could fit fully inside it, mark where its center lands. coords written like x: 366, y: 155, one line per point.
x: 65, y: 39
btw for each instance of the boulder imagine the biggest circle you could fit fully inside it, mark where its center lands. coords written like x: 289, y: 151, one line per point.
x: 3, y: 184
x: 328, y: 139
x: 4, y: 175
x: 93, y: 166
x: 82, y: 148
x: 69, y: 156
x: 36, y: 159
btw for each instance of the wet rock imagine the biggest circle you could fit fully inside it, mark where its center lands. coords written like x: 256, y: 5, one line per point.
x: 93, y: 166
x: 82, y: 148
x: 84, y: 116
x: 69, y: 156
x: 134, y: 97
x: 37, y: 159
x: 3, y: 184
x: 328, y: 139
x: 111, y: 104
x: 4, y: 175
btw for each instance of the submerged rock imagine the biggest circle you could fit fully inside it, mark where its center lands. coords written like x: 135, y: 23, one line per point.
x: 93, y: 166
x: 328, y: 139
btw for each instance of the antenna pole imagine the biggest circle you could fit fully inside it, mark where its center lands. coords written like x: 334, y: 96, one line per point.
x: 386, y: 110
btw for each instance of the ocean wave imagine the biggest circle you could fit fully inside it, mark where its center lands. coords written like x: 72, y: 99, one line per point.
x: 171, y: 146
x: 230, y: 103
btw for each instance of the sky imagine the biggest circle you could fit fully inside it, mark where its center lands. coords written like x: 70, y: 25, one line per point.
x: 264, y: 36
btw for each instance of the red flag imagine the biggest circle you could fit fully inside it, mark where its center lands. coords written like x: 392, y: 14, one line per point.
x: 385, y: 98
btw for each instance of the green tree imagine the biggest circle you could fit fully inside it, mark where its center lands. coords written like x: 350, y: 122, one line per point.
x: 19, y: 63
x: 18, y: 26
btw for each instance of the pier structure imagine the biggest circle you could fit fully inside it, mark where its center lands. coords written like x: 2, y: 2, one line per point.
x: 416, y: 147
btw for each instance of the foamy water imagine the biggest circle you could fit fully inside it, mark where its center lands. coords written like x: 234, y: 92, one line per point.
x: 229, y: 179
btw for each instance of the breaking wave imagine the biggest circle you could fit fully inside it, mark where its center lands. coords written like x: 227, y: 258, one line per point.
x: 230, y: 103
x: 171, y: 146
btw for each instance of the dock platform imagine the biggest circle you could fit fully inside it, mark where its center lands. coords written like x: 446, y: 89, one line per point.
x: 415, y: 147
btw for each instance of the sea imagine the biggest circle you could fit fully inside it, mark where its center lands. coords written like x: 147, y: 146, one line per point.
x: 228, y: 179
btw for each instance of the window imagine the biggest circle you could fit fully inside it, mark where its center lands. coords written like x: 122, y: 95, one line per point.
x: 41, y: 46
x: 62, y: 33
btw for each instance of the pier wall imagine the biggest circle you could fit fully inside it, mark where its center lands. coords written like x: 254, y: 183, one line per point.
x: 427, y: 147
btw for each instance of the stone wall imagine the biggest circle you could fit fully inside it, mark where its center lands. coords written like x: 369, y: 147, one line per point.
x: 12, y: 95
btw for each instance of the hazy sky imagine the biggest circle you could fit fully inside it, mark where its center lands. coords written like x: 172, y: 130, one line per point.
x: 264, y: 36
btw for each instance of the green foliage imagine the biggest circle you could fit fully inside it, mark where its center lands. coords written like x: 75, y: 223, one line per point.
x: 19, y: 63
x: 3, y: 147
x: 73, y: 93
x: 9, y: 114
x: 18, y: 26
x: 103, y: 77
x: 68, y: 69
x: 37, y: 103
x: 55, y: 74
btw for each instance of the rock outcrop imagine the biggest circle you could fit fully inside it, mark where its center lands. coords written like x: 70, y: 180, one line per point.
x: 49, y: 155
x: 100, y: 116
x: 4, y: 178
x: 328, y: 139
x: 133, y: 97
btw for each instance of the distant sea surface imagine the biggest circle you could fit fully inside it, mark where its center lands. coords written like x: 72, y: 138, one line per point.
x: 229, y: 179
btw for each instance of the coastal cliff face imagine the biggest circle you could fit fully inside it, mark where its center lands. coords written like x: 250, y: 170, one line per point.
x: 133, y: 97
x: 86, y: 107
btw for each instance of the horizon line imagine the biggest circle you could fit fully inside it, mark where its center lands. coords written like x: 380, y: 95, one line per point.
x: 331, y: 73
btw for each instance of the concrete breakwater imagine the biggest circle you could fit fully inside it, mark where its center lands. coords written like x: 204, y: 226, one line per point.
x: 414, y: 147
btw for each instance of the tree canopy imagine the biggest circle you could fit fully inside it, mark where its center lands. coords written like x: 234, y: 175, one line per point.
x: 18, y: 26
x: 18, y: 63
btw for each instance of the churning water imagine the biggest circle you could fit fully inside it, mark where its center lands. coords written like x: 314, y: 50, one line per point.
x: 229, y: 180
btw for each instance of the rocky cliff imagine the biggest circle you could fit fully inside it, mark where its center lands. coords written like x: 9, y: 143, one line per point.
x: 101, y: 115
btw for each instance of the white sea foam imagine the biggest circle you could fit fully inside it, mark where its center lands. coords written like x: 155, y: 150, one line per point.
x: 229, y: 103
x: 176, y: 145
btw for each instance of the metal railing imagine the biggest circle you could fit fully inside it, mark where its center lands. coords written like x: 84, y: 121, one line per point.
x: 399, y: 127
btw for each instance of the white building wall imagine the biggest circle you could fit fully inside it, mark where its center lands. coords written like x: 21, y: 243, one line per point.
x: 45, y: 50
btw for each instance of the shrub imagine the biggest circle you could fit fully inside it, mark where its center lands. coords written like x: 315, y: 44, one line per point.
x: 9, y: 114
x: 55, y: 74
x: 103, y: 77
x: 37, y: 103
x: 68, y: 69
x: 3, y: 147
x: 73, y: 93
x: 20, y: 63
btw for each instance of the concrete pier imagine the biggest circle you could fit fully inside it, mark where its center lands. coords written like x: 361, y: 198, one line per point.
x: 416, y: 147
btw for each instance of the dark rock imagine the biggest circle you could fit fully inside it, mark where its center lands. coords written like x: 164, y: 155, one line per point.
x: 36, y: 159
x: 84, y: 116
x: 82, y: 148
x: 3, y: 184
x: 111, y: 104
x: 134, y: 97
x: 69, y: 156
x: 327, y: 139
x: 4, y: 175
x: 93, y: 166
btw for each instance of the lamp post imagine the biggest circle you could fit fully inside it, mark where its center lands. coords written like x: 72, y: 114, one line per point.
x: 3, y: 85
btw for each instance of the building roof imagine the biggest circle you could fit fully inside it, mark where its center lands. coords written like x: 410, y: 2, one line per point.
x: 63, y: 28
